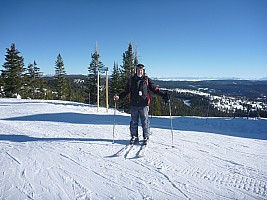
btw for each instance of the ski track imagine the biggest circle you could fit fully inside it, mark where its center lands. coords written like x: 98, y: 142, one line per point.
x: 163, y: 169
x: 242, y: 182
x: 233, y: 178
x: 239, y: 181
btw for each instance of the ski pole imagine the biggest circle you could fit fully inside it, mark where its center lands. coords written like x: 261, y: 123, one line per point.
x: 114, y: 122
x: 170, y: 110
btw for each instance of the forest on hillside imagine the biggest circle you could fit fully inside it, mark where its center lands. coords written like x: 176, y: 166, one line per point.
x: 16, y: 80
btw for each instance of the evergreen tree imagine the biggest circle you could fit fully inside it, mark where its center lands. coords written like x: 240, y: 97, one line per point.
x: 155, y: 106
x: 48, y: 94
x: 13, y: 77
x: 70, y: 95
x: 91, y: 84
x: 35, y: 83
x: 74, y: 91
x: 128, y: 69
x: 61, y: 81
x: 115, y: 81
x: 29, y: 88
x: 135, y: 62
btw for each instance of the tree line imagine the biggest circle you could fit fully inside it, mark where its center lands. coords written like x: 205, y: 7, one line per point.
x: 28, y: 82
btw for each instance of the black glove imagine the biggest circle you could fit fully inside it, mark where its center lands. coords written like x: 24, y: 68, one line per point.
x: 166, y: 98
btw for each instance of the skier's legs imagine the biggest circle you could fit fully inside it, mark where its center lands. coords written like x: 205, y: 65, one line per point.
x: 134, y: 121
x: 145, y: 121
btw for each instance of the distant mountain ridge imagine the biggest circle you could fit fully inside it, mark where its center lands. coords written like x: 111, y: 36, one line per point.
x: 203, y: 78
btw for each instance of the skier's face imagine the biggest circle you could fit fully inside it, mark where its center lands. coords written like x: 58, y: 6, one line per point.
x: 140, y: 72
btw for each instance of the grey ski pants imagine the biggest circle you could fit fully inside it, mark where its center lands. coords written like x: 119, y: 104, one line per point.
x: 141, y: 112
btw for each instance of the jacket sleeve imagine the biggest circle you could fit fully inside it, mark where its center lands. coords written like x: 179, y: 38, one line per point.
x: 126, y: 90
x: 154, y: 88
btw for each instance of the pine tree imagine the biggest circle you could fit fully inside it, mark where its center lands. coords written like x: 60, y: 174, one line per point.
x: 35, y: 83
x: 155, y: 106
x: 135, y: 62
x: 70, y: 95
x: 13, y: 77
x: 128, y: 70
x: 128, y: 67
x: 29, y: 88
x: 91, y: 83
x: 61, y: 82
x: 115, y: 81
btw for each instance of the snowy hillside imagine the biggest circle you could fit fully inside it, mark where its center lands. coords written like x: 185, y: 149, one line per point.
x: 225, y: 103
x: 64, y: 150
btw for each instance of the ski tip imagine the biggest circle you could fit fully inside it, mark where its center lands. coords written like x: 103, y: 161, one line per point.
x: 113, y: 156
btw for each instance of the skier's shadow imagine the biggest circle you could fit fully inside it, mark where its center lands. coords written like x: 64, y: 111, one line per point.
x: 26, y: 138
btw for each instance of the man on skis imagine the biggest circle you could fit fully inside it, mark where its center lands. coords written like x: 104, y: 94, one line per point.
x: 138, y: 86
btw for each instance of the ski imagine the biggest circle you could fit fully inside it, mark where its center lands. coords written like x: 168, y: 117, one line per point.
x: 142, y: 151
x: 125, y: 149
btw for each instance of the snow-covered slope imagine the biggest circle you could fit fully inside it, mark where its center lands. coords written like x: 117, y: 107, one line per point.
x: 64, y: 150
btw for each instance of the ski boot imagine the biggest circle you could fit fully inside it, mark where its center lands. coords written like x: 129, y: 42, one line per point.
x: 145, y: 141
x: 134, y: 140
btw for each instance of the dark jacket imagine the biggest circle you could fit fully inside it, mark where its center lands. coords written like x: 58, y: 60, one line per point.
x: 138, y: 88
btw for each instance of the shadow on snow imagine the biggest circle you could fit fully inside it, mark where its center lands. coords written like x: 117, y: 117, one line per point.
x: 238, y: 127
x: 25, y: 138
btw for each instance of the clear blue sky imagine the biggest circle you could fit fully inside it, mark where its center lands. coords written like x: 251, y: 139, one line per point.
x: 173, y: 38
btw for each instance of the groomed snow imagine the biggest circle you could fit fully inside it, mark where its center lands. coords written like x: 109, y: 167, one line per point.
x: 64, y: 150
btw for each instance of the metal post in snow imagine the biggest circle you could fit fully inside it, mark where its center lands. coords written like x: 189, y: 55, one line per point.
x: 97, y: 90
x: 103, y: 69
x: 114, y: 122
x: 107, y: 91
x: 171, y: 121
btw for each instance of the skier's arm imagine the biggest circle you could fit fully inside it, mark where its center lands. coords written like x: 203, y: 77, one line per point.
x: 156, y: 91
x: 152, y: 87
